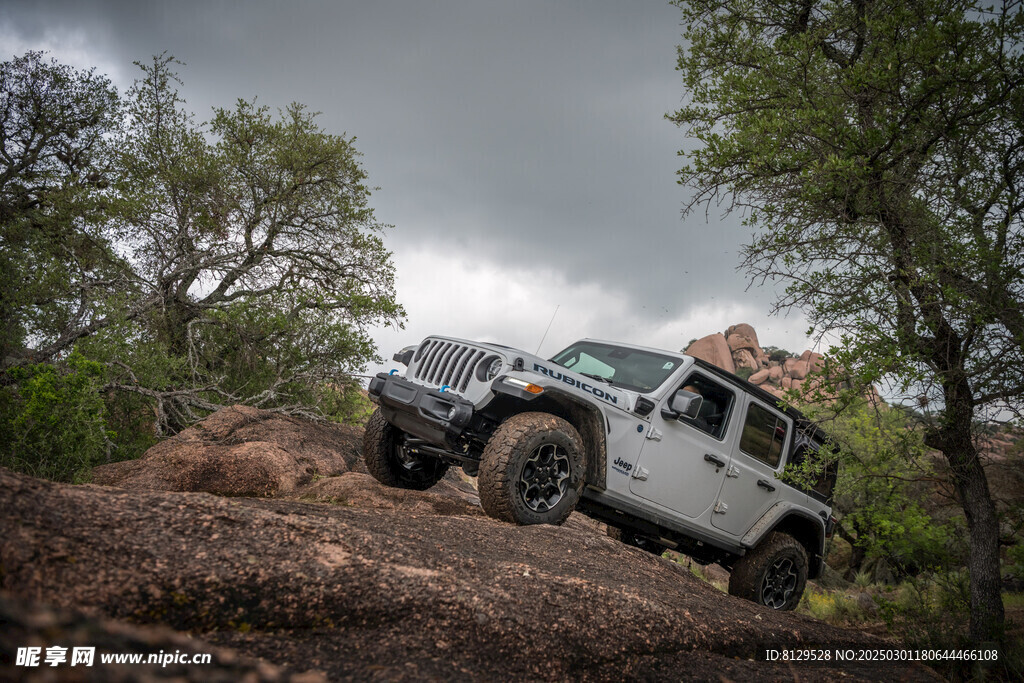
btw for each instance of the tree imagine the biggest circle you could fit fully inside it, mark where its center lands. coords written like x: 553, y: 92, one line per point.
x: 161, y: 264
x: 56, y: 260
x: 877, y: 149
x: 262, y: 264
x: 884, y: 470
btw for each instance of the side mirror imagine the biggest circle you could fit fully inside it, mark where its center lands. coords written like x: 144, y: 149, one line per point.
x: 683, y: 404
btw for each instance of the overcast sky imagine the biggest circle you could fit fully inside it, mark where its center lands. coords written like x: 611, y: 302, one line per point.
x: 520, y: 148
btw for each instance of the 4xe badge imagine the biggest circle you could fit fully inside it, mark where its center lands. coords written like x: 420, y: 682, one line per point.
x: 621, y: 466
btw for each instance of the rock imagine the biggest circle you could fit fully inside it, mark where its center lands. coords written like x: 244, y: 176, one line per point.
x: 775, y: 373
x: 787, y: 382
x: 743, y: 336
x: 714, y: 349
x: 745, y: 359
x: 28, y: 624
x: 760, y: 377
x: 797, y: 369
x: 816, y: 362
x: 385, y: 594
x: 363, y: 491
x: 864, y: 602
x: 241, y: 451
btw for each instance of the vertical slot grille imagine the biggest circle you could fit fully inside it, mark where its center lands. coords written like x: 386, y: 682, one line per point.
x: 447, y: 363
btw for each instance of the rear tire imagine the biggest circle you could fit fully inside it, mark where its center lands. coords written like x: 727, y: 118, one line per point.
x: 532, y: 470
x: 773, y: 574
x: 391, y: 464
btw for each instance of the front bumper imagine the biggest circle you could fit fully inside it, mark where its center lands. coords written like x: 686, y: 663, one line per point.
x: 438, y: 417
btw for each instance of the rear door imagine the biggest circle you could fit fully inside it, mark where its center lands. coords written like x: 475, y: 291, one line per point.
x: 751, y: 486
x: 682, y: 462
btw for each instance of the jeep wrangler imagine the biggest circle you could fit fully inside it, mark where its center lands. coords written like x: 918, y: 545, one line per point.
x: 669, y: 451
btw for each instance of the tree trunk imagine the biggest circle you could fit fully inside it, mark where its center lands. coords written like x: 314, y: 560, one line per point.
x: 983, y: 527
x: 857, y: 554
x: 955, y: 441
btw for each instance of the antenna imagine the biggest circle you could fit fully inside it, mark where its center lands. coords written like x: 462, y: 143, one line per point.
x: 547, y: 330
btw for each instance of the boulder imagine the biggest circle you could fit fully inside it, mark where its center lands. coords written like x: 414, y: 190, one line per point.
x: 744, y: 337
x: 714, y: 349
x: 797, y: 369
x: 816, y: 362
x: 775, y: 373
x: 241, y: 451
x: 760, y: 377
x: 743, y: 358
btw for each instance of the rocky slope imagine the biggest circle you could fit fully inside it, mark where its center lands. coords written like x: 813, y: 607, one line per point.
x: 348, y: 578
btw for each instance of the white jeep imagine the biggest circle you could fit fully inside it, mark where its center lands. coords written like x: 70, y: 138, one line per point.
x: 668, y: 450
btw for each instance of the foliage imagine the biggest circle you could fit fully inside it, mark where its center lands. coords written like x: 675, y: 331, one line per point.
x: 877, y: 148
x: 776, y: 354
x: 193, y: 265
x: 744, y: 373
x: 55, y: 426
x: 832, y: 607
x: 884, y: 470
x: 56, y: 260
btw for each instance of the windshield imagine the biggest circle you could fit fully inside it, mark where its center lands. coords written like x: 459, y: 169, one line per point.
x: 627, y: 368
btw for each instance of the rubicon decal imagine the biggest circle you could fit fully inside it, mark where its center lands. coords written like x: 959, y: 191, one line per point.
x: 554, y: 374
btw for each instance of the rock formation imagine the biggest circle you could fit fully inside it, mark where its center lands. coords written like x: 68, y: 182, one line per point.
x: 241, y: 451
x: 738, y: 350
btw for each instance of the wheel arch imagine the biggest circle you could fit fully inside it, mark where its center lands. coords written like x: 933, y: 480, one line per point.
x: 586, y: 419
x: 805, y: 528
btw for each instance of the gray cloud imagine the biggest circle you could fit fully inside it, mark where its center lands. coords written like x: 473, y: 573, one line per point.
x: 525, y: 132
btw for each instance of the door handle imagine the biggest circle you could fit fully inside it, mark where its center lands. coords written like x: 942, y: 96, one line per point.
x: 765, y: 485
x: 714, y: 460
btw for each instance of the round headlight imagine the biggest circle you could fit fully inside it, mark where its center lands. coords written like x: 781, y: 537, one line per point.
x: 493, y: 368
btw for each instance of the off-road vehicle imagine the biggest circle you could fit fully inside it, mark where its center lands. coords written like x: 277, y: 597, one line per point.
x: 668, y: 450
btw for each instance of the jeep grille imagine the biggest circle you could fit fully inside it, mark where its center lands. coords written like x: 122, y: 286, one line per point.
x: 443, y: 362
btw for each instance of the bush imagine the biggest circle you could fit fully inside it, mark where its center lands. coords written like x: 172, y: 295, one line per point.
x: 744, y: 373
x: 54, y: 420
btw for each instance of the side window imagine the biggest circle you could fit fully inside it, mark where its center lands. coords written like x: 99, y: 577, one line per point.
x: 713, y: 417
x: 764, y: 433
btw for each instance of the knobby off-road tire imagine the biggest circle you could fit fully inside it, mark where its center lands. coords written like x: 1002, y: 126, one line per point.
x: 388, y: 461
x: 773, y: 574
x: 532, y: 470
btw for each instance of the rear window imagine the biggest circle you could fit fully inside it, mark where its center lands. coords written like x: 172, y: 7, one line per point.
x: 764, y: 433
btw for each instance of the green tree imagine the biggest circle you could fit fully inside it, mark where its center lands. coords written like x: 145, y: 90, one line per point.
x: 878, y: 149
x: 263, y: 262
x: 182, y: 265
x: 56, y: 260
x: 884, y: 470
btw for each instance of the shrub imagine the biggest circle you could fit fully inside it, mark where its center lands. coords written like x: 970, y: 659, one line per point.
x: 54, y: 420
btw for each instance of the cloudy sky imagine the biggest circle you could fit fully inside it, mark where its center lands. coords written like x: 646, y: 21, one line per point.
x: 520, y: 148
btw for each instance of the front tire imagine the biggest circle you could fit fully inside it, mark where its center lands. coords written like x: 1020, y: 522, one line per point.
x: 390, y: 463
x: 532, y: 470
x: 773, y: 574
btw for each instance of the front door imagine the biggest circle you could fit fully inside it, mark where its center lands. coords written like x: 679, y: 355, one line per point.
x: 751, y: 487
x: 683, y: 461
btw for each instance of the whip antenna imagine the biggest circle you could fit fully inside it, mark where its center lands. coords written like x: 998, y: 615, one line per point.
x: 547, y: 330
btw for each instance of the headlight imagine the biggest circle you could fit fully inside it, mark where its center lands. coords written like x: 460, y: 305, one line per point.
x: 488, y: 369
